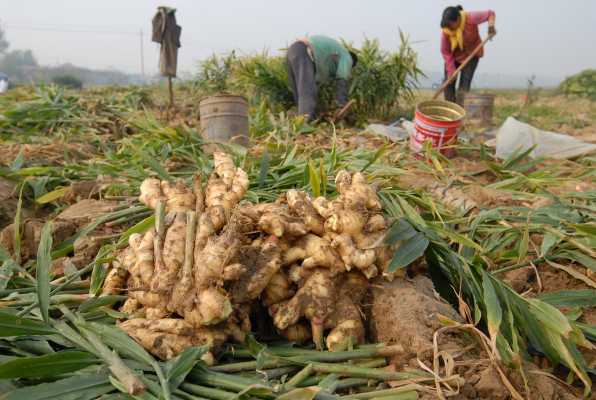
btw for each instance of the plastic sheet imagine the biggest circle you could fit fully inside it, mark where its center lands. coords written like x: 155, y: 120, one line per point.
x: 515, y: 136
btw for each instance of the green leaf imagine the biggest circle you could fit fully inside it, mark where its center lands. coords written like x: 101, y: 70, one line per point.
x: 52, y: 196
x: 579, y: 257
x: 548, y: 242
x: 494, y: 313
x: 11, y: 325
x: 18, y: 227
x: 47, y: 365
x: 378, y: 154
x: 98, y: 274
x: 400, y: 230
x: 177, y: 368
x: 308, y: 393
x: 95, y: 302
x: 410, y: 212
x: 7, y: 268
x: 570, y: 298
x: 588, y: 229
x: 323, y: 175
x: 550, y: 317
x: 140, y: 227
x: 155, y: 166
x: 80, y: 387
x: 44, y: 261
x: 118, y: 339
x: 314, y: 179
x: 523, y: 245
x: 409, y: 251
x: 264, y: 170
x: 18, y: 162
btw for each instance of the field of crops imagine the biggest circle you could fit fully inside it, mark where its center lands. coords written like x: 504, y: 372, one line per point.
x: 508, y: 245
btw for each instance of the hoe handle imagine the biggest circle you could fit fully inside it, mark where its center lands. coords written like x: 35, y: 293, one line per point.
x: 466, y: 61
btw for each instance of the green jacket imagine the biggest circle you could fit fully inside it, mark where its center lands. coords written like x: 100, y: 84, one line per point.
x: 332, y: 60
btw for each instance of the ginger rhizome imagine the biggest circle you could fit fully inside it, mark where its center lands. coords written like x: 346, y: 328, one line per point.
x: 211, y: 257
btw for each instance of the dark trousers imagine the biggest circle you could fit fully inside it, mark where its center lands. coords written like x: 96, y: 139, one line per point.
x: 465, y: 82
x: 301, y: 74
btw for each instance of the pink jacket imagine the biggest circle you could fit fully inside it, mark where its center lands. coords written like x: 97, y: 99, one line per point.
x: 474, y: 19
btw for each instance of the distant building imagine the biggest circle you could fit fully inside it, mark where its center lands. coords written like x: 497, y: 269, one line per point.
x: 3, y: 83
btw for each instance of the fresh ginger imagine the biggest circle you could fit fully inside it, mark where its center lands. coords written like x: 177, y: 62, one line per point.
x: 314, y: 251
x: 301, y: 204
x: 346, y: 320
x: 262, y: 263
x: 195, y: 277
x: 151, y: 192
x: 297, y: 333
x: 166, y: 338
x: 211, y: 260
x: 314, y: 301
x: 179, y: 198
x: 166, y: 273
x: 353, y: 257
x: 355, y: 193
x: 278, y: 289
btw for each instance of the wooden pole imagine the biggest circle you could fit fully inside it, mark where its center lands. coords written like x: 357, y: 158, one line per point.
x: 463, y: 64
x: 171, y: 91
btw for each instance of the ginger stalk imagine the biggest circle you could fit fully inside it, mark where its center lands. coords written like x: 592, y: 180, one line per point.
x: 183, y: 289
x: 166, y: 272
x: 215, y: 255
x: 197, y: 189
x: 205, y: 229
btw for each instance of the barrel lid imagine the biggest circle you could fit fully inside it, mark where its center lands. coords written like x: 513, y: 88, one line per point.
x: 224, y: 97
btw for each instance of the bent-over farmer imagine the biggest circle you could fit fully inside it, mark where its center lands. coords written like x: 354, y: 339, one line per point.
x: 316, y: 60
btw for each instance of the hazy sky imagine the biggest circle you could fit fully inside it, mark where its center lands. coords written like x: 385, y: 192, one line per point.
x: 544, y: 37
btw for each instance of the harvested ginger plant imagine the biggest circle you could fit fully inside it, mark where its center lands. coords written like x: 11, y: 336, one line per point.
x: 195, y: 276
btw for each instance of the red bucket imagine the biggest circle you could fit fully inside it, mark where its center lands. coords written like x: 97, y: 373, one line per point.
x: 439, y: 122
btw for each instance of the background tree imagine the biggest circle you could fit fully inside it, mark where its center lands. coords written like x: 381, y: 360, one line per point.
x: 3, y: 42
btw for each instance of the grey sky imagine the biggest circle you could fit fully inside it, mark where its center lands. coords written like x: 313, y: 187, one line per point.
x: 548, y: 38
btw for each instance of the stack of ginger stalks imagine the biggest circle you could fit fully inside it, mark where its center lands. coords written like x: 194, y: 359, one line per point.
x: 193, y: 278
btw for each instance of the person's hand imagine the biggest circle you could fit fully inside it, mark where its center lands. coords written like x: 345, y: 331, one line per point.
x: 492, y: 31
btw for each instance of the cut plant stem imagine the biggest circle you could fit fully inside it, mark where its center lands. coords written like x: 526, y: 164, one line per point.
x: 207, y: 392
x: 385, y: 393
x: 385, y: 351
x: 300, y: 376
x: 224, y: 381
x: 369, y: 373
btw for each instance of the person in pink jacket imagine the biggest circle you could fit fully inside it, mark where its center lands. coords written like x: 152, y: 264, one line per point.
x: 459, y: 37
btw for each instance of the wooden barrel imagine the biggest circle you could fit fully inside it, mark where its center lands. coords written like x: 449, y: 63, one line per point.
x: 224, y: 118
x: 479, y: 108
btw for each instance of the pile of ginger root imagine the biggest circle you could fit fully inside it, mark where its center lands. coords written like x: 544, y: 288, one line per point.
x: 211, y: 259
